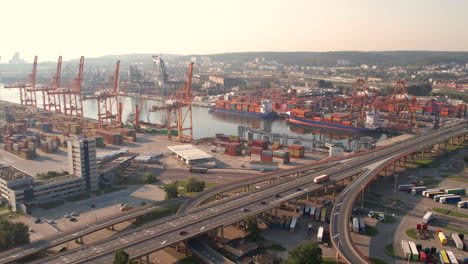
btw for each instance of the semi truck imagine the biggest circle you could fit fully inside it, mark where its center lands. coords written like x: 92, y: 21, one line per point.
x: 356, y: 225
x: 457, y: 191
x: 437, y: 197
x: 451, y: 257
x: 423, y: 233
x: 406, y: 187
x: 450, y: 199
x: 431, y: 190
x: 406, y: 250
x: 320, y: 234
x: 198, y: 170
x: 292, y: 227
x: 463, y: 204
x: 458, y: 242
x: 417, y: 190
x: 442, y: 238
x: 323, y: 215
x: 312, y: 212
x: 443, y: 258
x: 307, y: 210
x: 428, y: 217
x: 432, y: 194
x: 317, y: 214
x: 321, y: 178
x: 362, y: 225
x: 414, y: 251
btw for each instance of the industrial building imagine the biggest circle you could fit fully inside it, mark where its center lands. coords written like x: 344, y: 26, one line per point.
x: 20, y: 190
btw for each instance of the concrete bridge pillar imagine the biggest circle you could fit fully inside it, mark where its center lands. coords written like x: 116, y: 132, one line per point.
x: 148, y: 259
x: 276, y: 212
x: 295, y: 205
x: 177, y: 246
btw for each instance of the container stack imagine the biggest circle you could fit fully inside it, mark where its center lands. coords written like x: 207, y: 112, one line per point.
x: 233, y: 149
x: 276, y: 145
x: 296, y: 151
x: 20, y: 145
x: 267, y: 156
x: 128, y: 134
x: 260, y: 143
x: 281, y: 156
x: 44, y: 127
x: 110, y: 137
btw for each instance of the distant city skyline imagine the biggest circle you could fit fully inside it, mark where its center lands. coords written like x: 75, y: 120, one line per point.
x: 51, y: 28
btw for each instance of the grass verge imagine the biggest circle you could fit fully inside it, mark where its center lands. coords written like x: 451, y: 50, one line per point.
x: 378, y: 261
x: 371, y: 231
x: 390, y: 250
x: 52, y: 204
x: 159, y: 213
x: 78, y: 197
x: 328, y: 261
x: 457, y: 230
x: 412, y: 233
x: 451, y: 213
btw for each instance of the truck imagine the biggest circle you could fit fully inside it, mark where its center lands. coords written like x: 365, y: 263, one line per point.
x: 406, y: 187
x: 428, y: 217
x: 457, y: 191
x: 432, y: 194
x: 443, y: 258
x: 457, y: 241
x: 419, y: 189
x: 317, y: 214
x: 307, y: 210
x: 312, y: 212
x: 323, y: 215
x: 451, y: 256
x: 198, y: 170
x: 292, y: 227
x: 423, y: 233
x: 362, y: 225
x: 356, y: 225
x: 430, y: 190
x: 437, y: 197
x: 414, y: 251
x: 442, y: 237
x: 406, y: 250
x: 450, y: 199
x: 422, y: 257
x: 320, y: 234
x: 321, y: 178
x: 463, y: 204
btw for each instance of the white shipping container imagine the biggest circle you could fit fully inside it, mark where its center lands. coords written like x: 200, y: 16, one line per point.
x: 428, y: 217
x: 406, y: 250
x: 451, y: 256
x: 320, y: 235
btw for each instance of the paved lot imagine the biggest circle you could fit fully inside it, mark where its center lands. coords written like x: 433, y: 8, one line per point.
x: 56, y: 161
x: 105, y: 205
x: 410, y: 209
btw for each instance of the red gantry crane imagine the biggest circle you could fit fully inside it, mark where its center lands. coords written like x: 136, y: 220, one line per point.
x: 179, y: 109
x: 27, y: 88
x: 72, y: 104
x: 52, y: 102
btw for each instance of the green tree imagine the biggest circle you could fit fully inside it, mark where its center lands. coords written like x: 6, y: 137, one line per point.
x: 325, y: 84
x: 13, y: 234
x: 121, y: 257
x: 171, y: 191
x: 251, y: 224
x: 194, y: 185
x: 309, y: 253
x: 149, y: 178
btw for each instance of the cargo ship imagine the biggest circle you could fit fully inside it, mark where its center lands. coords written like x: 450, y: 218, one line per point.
x: 333, y: 121
x: 261, y: 109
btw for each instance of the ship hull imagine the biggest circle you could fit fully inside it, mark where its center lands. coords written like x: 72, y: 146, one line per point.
x: 262, y: 115
x: 315, y: 123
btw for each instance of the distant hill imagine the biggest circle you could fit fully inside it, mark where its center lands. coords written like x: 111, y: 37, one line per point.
x: 400, y: 58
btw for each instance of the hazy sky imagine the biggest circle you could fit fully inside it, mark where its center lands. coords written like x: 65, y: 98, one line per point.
x: 49, y: 28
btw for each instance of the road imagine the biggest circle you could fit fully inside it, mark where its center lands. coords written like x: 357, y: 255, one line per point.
x: 340, y: 218
x: 141, y: 241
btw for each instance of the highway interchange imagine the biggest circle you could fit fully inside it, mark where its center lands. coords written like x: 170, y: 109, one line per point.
x: 149, y: 238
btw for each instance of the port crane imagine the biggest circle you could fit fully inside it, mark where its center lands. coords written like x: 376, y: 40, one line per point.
x: 72, y: 103
x: 27, y: 87
x: 179, y: 110
x: 109, y: 106
x: 52, y: 99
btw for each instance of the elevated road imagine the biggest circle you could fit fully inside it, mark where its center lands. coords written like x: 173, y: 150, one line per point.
x: 340, y: 217
x: 144, y: 240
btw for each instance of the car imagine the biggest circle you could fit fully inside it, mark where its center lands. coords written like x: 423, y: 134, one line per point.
x: 31, y: 230
x: 67, y: 216
x: 75, y: 214
x: 122, y: 204
x: 298, y: 189
x: 277, y: 196
x: 51, y: 222
x: 73, y: 219
x: 262, y: 202
x: 245, y: 209
x: 92, y: 206
x: 62, y: 249
x: 164, y: 242
x: 37, y: 221
x: 183, y: 232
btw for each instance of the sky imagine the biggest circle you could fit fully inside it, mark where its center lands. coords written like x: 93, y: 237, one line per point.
x: 49, y: 28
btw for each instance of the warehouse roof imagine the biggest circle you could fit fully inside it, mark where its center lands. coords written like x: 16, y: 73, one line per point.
x: 190, y: 152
